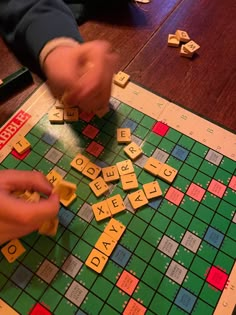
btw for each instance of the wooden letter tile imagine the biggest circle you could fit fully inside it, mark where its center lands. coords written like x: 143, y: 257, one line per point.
x: 152, y: 190
x: 121, y: 79
x: 79, y: 162
x: 115, y: 229
x: 153, y: 166
x: 13, y: 250
x: 22, y: 145
x: 54, y: 177
x: 49, y: 227
x: 123, y: 135
x: 71, y: 114
x: 99, y: 186
x: 167, y: 173
x: 116, y: 204
x: 91, y: 170
x: 105, y: 244
x: 133, y: 151
x: 173, y: 40
x: 129, y: 181
x: 125, y: 167
x: 185, y: 53
x: 96, y: 260
x: 101, y: 210
x: 56, y: 116
x: 182, y: 36
x: 138, y: 199
x: 191, y: 46
x: 65, y: 189
x: 110, y: 173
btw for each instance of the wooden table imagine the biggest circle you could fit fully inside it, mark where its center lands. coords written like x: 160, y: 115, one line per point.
x: 204, y: 84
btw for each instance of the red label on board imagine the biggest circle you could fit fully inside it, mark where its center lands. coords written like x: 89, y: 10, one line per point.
x: 12, y: 127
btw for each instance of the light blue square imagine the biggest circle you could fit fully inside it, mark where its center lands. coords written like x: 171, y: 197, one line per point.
x: 214, y: 237
x: 180, y: 153
x: 185, y: 300
x: 21, y: 276
x: 121, y: 256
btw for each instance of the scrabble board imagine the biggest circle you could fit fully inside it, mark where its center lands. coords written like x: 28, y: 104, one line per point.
x: 176, y: 254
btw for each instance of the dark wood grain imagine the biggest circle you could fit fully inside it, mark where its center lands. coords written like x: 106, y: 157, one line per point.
x: 204, y: 84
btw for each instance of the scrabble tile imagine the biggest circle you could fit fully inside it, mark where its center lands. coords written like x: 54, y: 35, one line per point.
x: 121, y: 79
x: 99, y: 186
x: 22, y: 194
x: 65, y: 189
x: 53, y: 177
x: 123, y: 135
x: 110, y: 173
x: 152, y: 190
x: 116, y: 204
x: 133, y: 150
x: 49, y: 227
x: 167, y: 173
x: 191, y: 46
x: 79, y: 162
x: 173, y: 40
x: 91, y: 170
x: 105, y: 244
x: 71, y: 114
x: 22, y: 145
x: 115, y: 229
x: 34, y: 197
x: 125, y: 167
x: 56, y: 116
x: 5, y: 309
x: 96, y: 260
x: 13, y: 250
x: 185, y: 53
x: 138, y: 199
x: 101, y: 210
x: 67, y: 202
x: 129, y: 181
x: 182, y: 36
x: 153, y: 166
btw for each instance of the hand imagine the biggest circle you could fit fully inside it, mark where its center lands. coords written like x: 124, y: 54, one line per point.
x: 82, y: 74
x: 17, y: 216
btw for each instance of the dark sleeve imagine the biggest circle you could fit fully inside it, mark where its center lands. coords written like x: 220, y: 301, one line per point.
x: 27, y: 25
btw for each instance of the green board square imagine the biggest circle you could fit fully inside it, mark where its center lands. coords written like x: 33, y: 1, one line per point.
x: 101, y: 288
x: 45, y: 166
x: 199, y: 149
x: 143, y: 293
x: 10, y: 293
x: 202, y: 180
x: 229, y: 196
x: 167, y: 208
x: 91, y: 235
x: 202, y: 308
x: 117, y: 299
x: 32, y: 139
x: 136, y: 115
x: 124, y: 109
x: 198, y: 227
x: 200, y: 267
x: 147, y: 122
x: 10, y: 162
x: 61, y: 282
x: 175, y: 231
x: 182, y: 218
x: 144, y: 250
x: 232, y: 231
x: 160, y: 261
x: 207, y: 252
x: 166, y: 145
x: 137, y: 226
x: 152, y: 235
x: 173, y: 135
x: 146, y: 213
x: 24, y: 303
x: 141, y: 132
x: 190, y: 205
x: 223, y: 176
x: 175, y: 163
x: 193, y: 160
x: 35, y: 288
x: 32, y: 159
x: 136, y: 265
x: 186, y: 142
x: 24, y: 167
x: 86, y: 276
x: 226, y: 209
x: 183, y: 256
x: 32, y: 260
x: 112, y: 271
x: 204, y: 213
x: 168, y: 288
x: 148, y: 148
x: 224, y: 261
x: 193, y: 283
x: 160, y: 222
x: 108, y: 310
x: 187, y: 171
x: 152, y: 277
x: 82, y: 250
x: 211, y: 201
x: 208, y: 168
x: 50, y: 297
x: 181, y: 183
x: 153, y: 138
x: 161, y: 304
x: 129, y: 240
x: 209, y: 295
x: 44, y: 245
x: 220, y: 223
x: 228, y: 165
x: 65, y: 308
